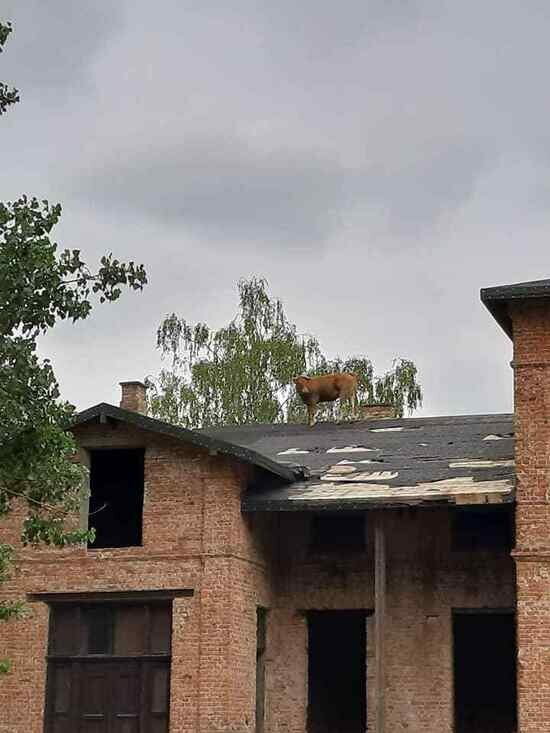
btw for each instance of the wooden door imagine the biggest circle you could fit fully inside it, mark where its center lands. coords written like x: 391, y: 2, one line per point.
x: 125, y: 704
x: 93, y: 697
x: 125, y: 696
x: 156, y: 704
x: 110, y: 697
x: 109, y: 669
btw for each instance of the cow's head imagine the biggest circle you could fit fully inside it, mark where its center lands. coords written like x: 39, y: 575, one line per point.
x: 301, y: 384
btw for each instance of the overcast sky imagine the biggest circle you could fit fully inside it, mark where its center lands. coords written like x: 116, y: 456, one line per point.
x: 378, y: 161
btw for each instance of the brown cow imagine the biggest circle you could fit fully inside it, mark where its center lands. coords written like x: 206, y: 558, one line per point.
x: 326, y: 388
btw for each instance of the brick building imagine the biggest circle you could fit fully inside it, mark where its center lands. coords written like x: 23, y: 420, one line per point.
x: 386, y: 574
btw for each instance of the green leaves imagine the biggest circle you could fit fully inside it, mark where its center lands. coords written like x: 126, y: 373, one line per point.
x: 237, y: 374
x: 40, y: 286
x: 8, y: 95
x: 5, y: 30
x: 242, y: 373
x: 9, y: 610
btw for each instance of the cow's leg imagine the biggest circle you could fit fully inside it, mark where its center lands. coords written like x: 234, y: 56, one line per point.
x: 311, y: 414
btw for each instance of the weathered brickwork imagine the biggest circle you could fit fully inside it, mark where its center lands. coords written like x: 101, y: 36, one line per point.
x: 134, y: 397
x: 531, y: 329
x: 194, y: 536
x: 377, y: 411
x: 426, y: 580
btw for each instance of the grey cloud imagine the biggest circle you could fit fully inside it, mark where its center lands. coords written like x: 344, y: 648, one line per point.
x: 404, y: 143
x: 418, y: 194
x: 54, y: 42
x: 364, y: 106
x: 221, y: 187
x: 213, y: 187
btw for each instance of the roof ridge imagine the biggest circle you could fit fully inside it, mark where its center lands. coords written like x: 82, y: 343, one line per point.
x: 491, y: 416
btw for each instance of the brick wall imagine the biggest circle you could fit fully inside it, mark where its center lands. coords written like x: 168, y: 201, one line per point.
x: 425, y: 581
x: 194, y: 536
x: 376, y: 411
x: 531, y: 326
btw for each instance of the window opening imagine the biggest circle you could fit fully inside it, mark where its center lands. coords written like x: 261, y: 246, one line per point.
x: 337, y: 532
x: 116, y: 497
x: 482, y: 529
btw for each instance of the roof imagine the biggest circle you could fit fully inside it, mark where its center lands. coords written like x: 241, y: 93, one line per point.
x: 191, y: 437
x: 354, y: 465
x: 384, y: 462
x: 497, y: 298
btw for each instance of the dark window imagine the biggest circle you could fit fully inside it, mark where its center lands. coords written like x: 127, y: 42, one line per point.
x: 99, y: 626
x: 337, y: 664
x: 484, y: 672
x: 160, y: 629
x: 261, y: 634
x: 109, y: 667
x: 116, y: 497
x: 125, y: 629
x: 482, y: 529
x: 337, y: 532
x: 64, y: 635
x: 130, y: 631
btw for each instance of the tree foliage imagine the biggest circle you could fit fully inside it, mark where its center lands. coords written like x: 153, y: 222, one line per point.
x: 242, y: 373
x: 39, y: 286
x: 8, y: 95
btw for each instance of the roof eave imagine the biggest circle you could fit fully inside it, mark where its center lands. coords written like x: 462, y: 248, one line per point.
x: 200, y: 440
x: 496, y: 299
x: 499, y: 311
x: 253, y: 504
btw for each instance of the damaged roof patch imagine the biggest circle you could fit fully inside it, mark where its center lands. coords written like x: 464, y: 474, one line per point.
x: 452, y: 454
x: 291, y: 452
x: 346, y: 461
x: 339, y: 469
x: 352, y: 449
x: 327, y: 496
x: 479, y: 463
x: 364, y: 477
x: 387, y: 430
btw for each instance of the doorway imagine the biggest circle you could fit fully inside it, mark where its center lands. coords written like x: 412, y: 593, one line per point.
x: 337, y: 696
x: 109, y: 668
x: 484, y: 672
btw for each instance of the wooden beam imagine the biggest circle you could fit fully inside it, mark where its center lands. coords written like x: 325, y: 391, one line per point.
x: 110, y: 596
x: 380, y: 621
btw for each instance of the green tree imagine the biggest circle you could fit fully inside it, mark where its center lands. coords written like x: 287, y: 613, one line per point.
x: 39, y: 286
x: 242, y: 373
x: 8, y: 95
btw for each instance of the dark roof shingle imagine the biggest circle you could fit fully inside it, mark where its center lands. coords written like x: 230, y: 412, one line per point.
x: 497, y: 298
x: 463, y: 459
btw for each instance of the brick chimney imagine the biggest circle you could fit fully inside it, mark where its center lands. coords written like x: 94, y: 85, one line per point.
x: 523, y: 311
x: 369, y: 412
x: 134, y: 397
